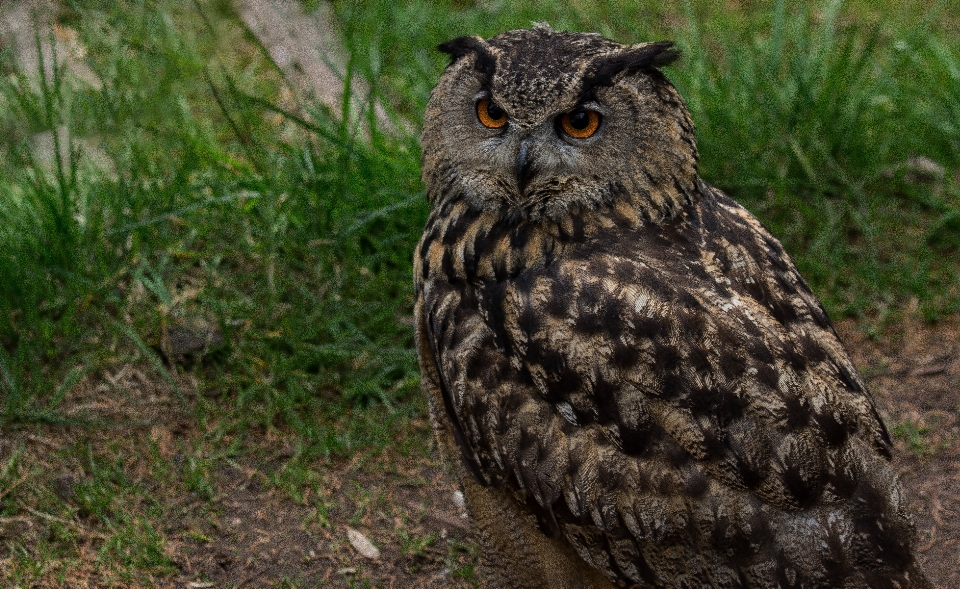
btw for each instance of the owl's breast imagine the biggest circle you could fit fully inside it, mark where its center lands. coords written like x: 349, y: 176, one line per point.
x: 462, y: 244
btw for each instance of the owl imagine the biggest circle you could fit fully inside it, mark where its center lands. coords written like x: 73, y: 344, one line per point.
x: 634, y: 385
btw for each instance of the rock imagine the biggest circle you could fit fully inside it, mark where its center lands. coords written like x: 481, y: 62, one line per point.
x: 63, y: 486
x: 181, y: 339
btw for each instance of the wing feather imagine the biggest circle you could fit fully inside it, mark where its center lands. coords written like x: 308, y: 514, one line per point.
x: 680, y: 407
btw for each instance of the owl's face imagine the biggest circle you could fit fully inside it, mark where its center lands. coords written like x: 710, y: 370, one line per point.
x: 537, y: 123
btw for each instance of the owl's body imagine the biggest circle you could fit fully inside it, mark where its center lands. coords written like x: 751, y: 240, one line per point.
x: 634, y: 383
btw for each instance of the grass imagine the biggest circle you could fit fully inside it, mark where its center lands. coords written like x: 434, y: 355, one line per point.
x: 915, y: 436
x: 226, y: 201
x: 807, y: 116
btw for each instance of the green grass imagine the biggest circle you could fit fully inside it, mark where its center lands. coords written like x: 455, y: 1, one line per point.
x: 290, y: 230
x: 915, y: 436
x: 812, y: 125
x: 807, y: 115
x: 209, y: 213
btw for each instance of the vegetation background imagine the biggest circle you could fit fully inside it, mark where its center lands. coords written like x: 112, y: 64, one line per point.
x: 207, y: 375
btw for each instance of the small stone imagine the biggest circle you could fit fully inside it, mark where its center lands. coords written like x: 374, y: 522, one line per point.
x: 923, y: 169
x: 63, y: 486
x: 181, y: 338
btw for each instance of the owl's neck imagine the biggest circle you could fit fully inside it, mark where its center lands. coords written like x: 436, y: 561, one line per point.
x: 462, y: 243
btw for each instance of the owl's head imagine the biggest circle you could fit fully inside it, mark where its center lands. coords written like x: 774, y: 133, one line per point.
x: 537, y: 123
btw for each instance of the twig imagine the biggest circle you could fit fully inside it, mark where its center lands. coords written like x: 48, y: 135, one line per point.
x: 65, y: 522
x: 450, y: 520
x: 932, y: 370
x: 933, y: 540
x: 43, y: 441
x: 6, y: 491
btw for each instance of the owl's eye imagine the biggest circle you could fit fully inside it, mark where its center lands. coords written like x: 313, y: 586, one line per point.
x: 490, y: 114
x: 580, y: 124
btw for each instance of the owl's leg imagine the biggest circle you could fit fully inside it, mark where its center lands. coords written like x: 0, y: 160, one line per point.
x: 514, y: 553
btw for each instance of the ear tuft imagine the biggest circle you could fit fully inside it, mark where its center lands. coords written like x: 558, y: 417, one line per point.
x: 463, y: 46
x: 631, y: 59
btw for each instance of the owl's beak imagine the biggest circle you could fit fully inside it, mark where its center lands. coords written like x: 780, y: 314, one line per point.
x: 523, y: 164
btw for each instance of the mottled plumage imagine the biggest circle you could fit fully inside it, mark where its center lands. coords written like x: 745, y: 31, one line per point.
x: 635, y: 385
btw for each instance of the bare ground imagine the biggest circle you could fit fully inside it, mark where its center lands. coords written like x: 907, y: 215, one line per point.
x: 79, y: 495
x: 914, y: 374
x: 249, y: 528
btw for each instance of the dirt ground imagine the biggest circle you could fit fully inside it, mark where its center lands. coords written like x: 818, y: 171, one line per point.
x: 245, y: 526
x: 408, y: 511
x: 249, y: 532
x: 914, y: 374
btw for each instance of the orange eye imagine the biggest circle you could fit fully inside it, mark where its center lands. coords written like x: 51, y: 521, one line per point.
x: 580, y: 123
x: 490, y: 113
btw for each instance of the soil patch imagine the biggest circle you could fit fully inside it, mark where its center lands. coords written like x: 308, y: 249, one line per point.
x: 75, y: 498
x: 914, y: 375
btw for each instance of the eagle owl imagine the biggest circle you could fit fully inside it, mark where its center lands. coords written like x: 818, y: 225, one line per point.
x: 634, y: 384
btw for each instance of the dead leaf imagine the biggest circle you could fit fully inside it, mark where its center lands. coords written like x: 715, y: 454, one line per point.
x: 362, y: 544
